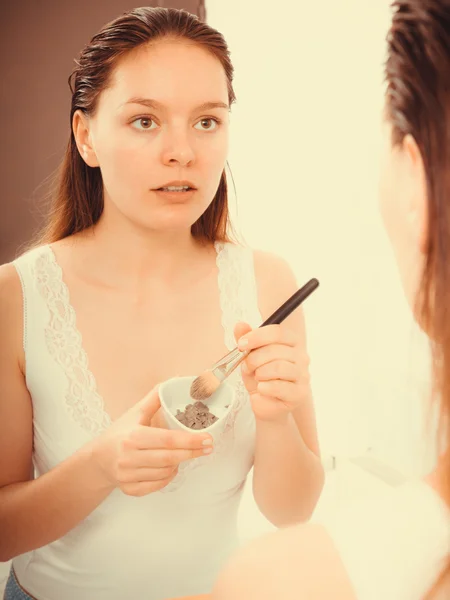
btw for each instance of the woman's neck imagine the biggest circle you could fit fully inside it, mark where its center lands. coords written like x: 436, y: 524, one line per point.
x: 125, y: 257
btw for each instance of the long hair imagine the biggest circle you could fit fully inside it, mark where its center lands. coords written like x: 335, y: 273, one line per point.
x: 76, y: 197
x: 418, y: 103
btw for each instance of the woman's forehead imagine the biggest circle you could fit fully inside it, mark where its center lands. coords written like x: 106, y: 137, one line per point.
x: 171, y: 73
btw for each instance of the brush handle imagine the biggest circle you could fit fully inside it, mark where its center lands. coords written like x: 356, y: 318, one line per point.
x: 292, y: 303
x: 226, y: 365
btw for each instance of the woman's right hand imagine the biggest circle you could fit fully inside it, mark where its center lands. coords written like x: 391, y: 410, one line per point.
x: 139, y: 457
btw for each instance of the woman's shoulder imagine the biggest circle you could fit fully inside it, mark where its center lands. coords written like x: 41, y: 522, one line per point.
x: 273, y: 276
x: 389, y: 547
x: 275, y: 281
x: 10, y: 288
x: 287, y: 564
x: 13, y: 281
x: 29, y: 255
x: 11, y: 306
x: 267, y: 263
x: 270, y: 264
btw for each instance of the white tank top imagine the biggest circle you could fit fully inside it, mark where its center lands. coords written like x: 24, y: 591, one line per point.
x: 169, y: 543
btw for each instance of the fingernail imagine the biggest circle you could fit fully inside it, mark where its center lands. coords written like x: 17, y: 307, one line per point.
x: 208, y: 450
x: 243, y: 343
x: 207, y: 442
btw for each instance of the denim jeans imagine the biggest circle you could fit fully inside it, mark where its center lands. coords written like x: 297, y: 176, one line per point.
x: 13, y: 591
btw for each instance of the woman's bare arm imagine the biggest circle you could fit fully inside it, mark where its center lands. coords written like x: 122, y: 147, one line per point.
x: 33, y: 512
x: 130, y: 455
x: 288, y: 474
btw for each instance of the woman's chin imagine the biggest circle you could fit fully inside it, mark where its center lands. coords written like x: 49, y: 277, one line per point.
x: 173, y: 223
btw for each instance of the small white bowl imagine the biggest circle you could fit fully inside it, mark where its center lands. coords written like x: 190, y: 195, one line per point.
x: 175, y: 395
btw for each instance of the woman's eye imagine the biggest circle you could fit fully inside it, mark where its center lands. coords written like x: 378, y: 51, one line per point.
x: 208, y: 124
x: 144, y: 123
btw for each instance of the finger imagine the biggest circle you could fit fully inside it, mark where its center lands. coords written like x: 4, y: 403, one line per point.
x: 162, y: 458
x: 282, y: 390
x: 278, y: 369
x: 146, y: 487
x: 266, y: 354
x: 144, y: 474
x: 159, y: 420
x: 148, y: 407
x: 270, y: 334
x: 146, y: 438
x: 241, y: 329
x: 247, y: 378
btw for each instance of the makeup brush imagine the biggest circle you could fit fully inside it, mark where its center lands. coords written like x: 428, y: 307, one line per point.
x: 207, y: 383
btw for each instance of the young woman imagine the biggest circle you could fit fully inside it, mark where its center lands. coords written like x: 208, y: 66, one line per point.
x: 399, y: 550
x: 135, y: 280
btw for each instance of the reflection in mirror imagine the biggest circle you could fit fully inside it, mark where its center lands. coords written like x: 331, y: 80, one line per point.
x: 317, y: 99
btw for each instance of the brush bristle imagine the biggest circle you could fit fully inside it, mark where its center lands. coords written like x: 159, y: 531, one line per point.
x: 204, y: 386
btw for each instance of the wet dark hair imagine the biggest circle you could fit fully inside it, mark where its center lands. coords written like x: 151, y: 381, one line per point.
x: 418, y: 103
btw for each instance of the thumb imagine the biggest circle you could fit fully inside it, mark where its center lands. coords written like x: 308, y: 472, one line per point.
x: 148, y: 407
x: 241, y: 329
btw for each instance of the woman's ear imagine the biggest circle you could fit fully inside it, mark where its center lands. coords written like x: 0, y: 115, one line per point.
x: 82, y: 134
x: 418, y: 211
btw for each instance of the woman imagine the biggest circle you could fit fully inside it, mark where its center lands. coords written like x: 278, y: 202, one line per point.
x: 133, y: 281
x: 398, y: 550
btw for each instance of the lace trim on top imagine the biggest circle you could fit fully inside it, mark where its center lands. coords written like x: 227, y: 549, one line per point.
x: 64, y: 342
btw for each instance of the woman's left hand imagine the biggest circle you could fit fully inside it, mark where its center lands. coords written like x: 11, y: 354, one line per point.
x: 275, y: 373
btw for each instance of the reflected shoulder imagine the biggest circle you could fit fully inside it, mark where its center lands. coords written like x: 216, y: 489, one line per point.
x: 292, y: 563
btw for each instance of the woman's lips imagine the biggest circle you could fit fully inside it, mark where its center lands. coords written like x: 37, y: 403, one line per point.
x: 175, y: 196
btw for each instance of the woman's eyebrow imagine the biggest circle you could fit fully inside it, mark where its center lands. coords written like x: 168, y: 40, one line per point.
x: 155, y: 105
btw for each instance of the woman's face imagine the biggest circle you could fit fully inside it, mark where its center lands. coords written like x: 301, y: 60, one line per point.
x: 162, y: 121
x: 403, y: 206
